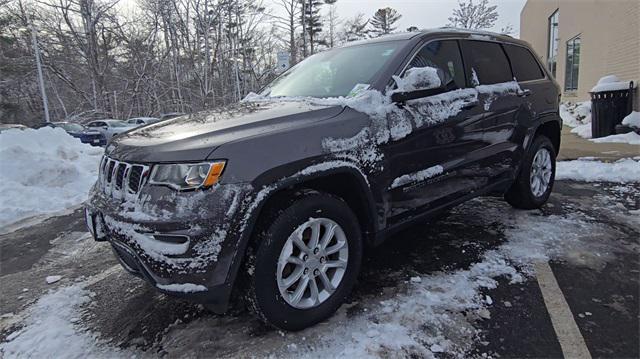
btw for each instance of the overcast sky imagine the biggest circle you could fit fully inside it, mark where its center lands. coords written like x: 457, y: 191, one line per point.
x: 421, y: 13
x: 429, y: 13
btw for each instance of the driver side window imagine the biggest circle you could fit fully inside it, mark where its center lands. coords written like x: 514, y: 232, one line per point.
x: 445, y: 56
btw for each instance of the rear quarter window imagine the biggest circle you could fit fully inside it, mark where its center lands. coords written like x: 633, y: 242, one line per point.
x: 487, y: 61
x: 525, y: 67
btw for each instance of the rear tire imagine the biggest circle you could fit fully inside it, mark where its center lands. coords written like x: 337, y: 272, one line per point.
x: 534, y: 183
x: 297, y: 279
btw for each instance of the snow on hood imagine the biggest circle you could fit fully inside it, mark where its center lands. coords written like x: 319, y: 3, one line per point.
x: 44, y: 171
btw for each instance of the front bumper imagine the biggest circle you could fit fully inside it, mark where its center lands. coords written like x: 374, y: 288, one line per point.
x: 183, y: 243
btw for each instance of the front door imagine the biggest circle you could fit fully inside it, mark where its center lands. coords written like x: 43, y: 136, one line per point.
x: 432, y: 166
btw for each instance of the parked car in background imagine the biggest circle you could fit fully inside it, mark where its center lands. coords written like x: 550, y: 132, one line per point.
x: 284, y: 190
x: 85, y: 135
x: 168, y: 116
x: 141, y: 121
x: 10, y: 126
x: 110, y: 128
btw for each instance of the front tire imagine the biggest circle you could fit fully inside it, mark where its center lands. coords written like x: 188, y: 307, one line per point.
x: 307, y: 262
x: 534, y: 183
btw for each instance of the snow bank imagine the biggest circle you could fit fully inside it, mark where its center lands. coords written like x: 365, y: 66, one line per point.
x: 632, y: 120
x: 624, y: 170
x: 578, y: 116
x: 575, y: 114
x: 50, y: 332
x: 610, y: 83
x: 583, y: 131
x: 630, y: 138
x: 43, y: 171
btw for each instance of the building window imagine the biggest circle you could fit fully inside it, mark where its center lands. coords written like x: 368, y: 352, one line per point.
x: 573, y: 64
x: 552, y: 53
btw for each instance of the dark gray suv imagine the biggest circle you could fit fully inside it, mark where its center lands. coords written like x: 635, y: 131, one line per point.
x: 275, y: 198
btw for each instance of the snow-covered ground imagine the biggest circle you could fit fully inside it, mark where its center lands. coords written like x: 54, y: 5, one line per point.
x: 431, y: 314
x: 43, y: 171
x: 591, y: 170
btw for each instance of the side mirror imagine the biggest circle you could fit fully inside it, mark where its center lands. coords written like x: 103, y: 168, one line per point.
x: 404, y: 96
x: 419, y: 82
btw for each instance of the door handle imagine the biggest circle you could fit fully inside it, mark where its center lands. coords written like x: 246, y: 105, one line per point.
x: 524, y: 93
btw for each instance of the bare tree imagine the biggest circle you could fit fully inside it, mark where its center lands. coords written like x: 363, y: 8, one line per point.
x: 507, y: 30
x: 383, y: 21
x: 356, y: 28
x: 474, y: 15
x: 289, y: 23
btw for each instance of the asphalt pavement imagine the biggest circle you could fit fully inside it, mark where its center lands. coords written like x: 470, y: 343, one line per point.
x: 598, y: 286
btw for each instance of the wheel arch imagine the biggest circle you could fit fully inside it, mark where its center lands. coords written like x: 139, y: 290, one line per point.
x: 552, y: 129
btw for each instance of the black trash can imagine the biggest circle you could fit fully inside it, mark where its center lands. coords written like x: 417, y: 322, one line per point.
x: 608, y: 109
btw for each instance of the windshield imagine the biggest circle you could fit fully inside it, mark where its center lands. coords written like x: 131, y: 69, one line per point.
x: 334, y: 73
x: 71, y: 127
x: 118, y: 124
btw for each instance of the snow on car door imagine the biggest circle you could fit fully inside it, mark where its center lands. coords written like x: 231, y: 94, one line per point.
x: 430, y: 167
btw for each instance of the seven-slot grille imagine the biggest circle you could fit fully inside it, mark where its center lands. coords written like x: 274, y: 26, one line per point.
x: 120, y: 179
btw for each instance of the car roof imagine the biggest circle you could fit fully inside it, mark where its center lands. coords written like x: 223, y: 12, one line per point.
x: 471, y: 34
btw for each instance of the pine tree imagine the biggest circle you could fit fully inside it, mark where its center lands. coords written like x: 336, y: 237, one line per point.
x: 383, y: 21
x: 311, y: 24
x: 474, y: 16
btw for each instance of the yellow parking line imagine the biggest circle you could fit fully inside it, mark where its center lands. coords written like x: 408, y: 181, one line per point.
x: 571, y: 340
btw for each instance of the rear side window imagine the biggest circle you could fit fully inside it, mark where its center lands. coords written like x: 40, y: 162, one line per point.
x: 525, y: 67
x: 445, y: 56
x: 486, y: 63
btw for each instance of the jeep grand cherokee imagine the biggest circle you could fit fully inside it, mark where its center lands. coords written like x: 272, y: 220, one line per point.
x: 277, y: 196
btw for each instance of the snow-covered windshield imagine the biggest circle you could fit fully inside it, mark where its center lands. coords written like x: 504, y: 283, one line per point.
x: 334, y: 73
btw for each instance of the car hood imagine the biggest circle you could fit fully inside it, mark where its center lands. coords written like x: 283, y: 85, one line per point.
x: 194, y: 137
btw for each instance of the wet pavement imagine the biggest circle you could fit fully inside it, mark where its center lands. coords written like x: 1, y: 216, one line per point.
x: 599, y: 277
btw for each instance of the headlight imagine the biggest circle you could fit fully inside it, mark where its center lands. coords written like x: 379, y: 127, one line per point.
x: 187, y: 175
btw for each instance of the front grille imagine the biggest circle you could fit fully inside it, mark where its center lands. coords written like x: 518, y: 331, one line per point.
x: 121, y: 179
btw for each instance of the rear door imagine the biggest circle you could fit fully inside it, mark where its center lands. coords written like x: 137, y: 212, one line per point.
x: 501, y: 100
x: 430, y: 167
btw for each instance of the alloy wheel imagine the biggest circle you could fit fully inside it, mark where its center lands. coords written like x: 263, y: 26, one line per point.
x: 540, y: 175
x: 312, y: 263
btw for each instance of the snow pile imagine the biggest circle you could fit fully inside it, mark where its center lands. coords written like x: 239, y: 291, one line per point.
x: 43, y: 171
x: 49, y: 330
x: 575, y: 114
x: 623, y: 171
x: 630, y: 138
x: 610, y: 83
x: 583, y: 131
x: 632, y: 120
x: 578, y: 116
